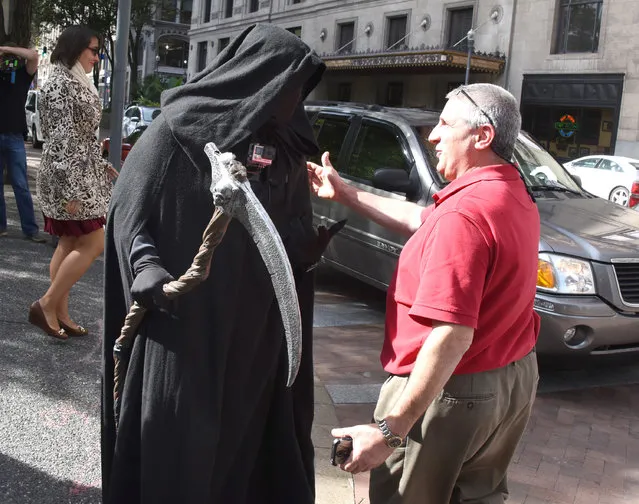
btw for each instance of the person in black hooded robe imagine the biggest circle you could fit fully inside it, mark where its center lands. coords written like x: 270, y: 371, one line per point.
x: 206, y: 416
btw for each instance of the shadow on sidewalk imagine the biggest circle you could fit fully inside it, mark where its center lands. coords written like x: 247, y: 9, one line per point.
x: 32, y: 486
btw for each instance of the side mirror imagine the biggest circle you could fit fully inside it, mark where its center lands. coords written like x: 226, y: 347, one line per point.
x: 30, y: 108
x: 135, y: 119
x: 577, y: 179
x: 393, y: 180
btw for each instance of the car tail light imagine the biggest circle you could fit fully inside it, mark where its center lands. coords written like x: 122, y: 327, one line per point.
x: 634, y: 195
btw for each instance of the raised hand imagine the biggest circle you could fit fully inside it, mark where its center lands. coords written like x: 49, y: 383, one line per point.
x: 324, y: 180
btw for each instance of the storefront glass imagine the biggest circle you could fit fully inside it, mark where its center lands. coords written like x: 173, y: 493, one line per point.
x: 569, y: 132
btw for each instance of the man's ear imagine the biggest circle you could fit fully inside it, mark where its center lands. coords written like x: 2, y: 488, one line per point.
x: 484, y: 137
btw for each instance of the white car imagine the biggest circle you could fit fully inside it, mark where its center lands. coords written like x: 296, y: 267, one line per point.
x: 136, y: 116
x: 609, y: 177
x: 32, y: 114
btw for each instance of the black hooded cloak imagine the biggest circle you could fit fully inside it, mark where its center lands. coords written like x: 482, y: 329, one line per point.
x: 206, y: 416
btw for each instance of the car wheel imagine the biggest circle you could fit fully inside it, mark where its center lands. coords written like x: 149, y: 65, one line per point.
x: 620, y: 195
x: 34, y: 138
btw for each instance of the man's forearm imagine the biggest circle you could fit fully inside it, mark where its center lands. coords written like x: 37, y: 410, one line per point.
x: 443, y: 349
x: 21, y: 52
x: 30, y: 55
x: 401, y: 216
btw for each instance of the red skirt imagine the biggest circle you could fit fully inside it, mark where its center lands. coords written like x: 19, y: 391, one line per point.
x: 72, y: 227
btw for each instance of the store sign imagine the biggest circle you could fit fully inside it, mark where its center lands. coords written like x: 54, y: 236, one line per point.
x: 566, y: 126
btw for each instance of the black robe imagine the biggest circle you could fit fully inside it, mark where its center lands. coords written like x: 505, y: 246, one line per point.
x: 206, y: 416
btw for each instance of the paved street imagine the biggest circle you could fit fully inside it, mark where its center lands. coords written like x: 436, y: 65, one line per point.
x: 581, y: 446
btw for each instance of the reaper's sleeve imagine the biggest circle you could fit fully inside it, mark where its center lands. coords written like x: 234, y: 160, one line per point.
x: 148, y: 273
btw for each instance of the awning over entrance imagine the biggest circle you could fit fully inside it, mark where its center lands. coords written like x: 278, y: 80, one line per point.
x: 415, y: 61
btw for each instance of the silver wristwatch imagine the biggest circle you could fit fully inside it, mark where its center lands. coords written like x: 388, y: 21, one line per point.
x: 392, y: 439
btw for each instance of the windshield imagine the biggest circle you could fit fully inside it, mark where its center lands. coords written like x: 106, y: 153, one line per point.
x: 538, y: 167
x: 149, y: 113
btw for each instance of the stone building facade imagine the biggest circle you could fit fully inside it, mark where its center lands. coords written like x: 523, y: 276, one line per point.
x: 573, y: 64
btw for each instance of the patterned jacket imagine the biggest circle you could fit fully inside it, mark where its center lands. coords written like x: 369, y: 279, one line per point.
x: 71, y: 167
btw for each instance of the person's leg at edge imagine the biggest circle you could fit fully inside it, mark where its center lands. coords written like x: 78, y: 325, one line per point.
x: 65, y: 246
x: 3, y: 159
x: 456, y: 425
x: 16, y: 158
x: 86, y: 249
x: 476, y: 482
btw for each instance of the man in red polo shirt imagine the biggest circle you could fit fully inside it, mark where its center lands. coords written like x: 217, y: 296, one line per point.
x: 460, y: 325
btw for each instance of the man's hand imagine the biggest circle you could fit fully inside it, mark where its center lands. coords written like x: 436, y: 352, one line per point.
x: 369, y: 448
x: 112, y: 173
x: 72, y: 207
x: 324, y: 180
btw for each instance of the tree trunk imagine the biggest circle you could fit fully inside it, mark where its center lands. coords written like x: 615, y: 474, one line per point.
x: 21, y: 25
x: 3, y: 35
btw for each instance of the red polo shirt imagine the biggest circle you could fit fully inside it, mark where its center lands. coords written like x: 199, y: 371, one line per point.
x: 472, y: 262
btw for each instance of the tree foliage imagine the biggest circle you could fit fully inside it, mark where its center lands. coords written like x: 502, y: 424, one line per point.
x: 101, y: 16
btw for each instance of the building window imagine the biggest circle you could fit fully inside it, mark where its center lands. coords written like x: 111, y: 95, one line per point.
x: 296, y: 30
x: 228, y: 8
x: 186, y: 12
x: 254, y: 5
x: 578, y: 24
x: 344, y: 91
x: 345, y: 43
x: 395, y: 94
x: 173, y: 52
x: 207, y: 11
x: 396, y: 32
x: 168, y: 10
x: 201, y: 55
x: 460, y: 21
x: 222, y: 43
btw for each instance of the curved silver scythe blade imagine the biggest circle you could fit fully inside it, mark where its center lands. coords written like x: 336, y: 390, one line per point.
x: 233, y: 194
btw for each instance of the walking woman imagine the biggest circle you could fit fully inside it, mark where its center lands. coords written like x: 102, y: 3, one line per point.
x: 74, y: 183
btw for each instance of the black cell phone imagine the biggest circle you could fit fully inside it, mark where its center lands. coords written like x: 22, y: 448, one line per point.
x: 341, y: 450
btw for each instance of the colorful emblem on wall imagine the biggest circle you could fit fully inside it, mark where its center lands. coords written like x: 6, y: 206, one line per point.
x: 566, y: 126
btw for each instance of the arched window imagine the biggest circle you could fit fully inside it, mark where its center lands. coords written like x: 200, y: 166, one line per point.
x: 173, y: 52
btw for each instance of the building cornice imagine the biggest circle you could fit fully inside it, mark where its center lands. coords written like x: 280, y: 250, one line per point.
x: 413, y: 58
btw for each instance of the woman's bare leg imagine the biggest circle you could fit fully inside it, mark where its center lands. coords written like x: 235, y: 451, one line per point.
x: 71, y: 268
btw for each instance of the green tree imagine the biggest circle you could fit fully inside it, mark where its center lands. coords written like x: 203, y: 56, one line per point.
x: 101, y: 16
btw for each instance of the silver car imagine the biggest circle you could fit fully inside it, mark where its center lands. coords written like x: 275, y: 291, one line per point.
x: 588, y: 280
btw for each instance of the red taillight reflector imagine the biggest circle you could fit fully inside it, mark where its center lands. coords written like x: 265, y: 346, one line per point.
x: 634, y: 195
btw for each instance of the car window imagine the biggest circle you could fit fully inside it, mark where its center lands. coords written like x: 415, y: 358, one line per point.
x: 607, y: 165
x: 423, y: 132
x: 136, y: 113
x: 377, y: 146
x: 128, y: 113
x: 30, y: 100
x: 330, y: 133
x: 150, y: 113
x: 587, y: 163
x: 635, y: 165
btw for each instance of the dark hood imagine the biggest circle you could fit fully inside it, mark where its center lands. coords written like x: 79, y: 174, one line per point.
x: 591, y: 228
x: 240, y: 91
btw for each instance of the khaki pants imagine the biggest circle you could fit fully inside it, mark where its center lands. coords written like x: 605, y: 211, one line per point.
x: 459, y: 451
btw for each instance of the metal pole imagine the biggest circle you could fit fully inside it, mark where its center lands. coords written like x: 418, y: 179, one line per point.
x: 471, y: 39
x: 118, y: 77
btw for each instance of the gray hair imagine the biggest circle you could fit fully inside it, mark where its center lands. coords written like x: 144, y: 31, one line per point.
x: 492, y: 103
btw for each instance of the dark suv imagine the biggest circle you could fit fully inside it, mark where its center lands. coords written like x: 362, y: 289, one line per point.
x: 588, y: 282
